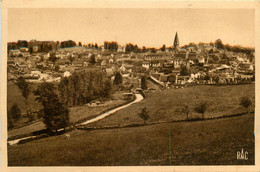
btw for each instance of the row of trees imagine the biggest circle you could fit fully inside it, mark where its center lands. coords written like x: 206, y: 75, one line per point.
x: 55, y: 113
x: 66, y: 44
x: 113, y: 46
x: 84, y: 86
x: 201, y: 108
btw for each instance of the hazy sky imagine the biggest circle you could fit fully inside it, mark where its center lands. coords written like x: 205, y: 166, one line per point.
x: 149, y: 27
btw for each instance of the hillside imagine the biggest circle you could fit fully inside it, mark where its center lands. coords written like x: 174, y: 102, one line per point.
x: 212, y: 142
x: 166, y: 105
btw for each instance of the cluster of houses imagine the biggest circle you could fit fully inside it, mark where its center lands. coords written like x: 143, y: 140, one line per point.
x: 201, y: 64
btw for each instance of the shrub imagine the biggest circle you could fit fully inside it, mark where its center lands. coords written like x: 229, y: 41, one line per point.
x: 202, y: 107
x: 246, y: 102
x: 144, y: 115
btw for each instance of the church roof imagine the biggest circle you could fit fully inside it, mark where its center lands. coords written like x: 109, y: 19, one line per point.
x: 176, y: 39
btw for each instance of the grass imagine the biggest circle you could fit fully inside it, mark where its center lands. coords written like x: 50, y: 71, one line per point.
x: 14, y: 95
x: 77, y: 113
x: 167, y: 104
x: 212, y: 142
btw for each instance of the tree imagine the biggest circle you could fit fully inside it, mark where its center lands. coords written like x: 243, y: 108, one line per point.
x: 53, y: 57
x: 55, y: 113
x: 92, y: 59
x: 13, y: 115
x: 202, y: 107
x: 23, y: 85
x: 15, y: 112
x: 144, y: 115
x: 143, y: 83
x: 80, y: 44
x: 186, y: 110
x: 184, y: 70
x: 163, y: 47
x: 10, y: 121
x: 219, y: 44
x: 246, y: 102
x: 118, y: 79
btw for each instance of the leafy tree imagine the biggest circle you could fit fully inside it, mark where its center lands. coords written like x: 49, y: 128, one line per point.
x: 92, y: 59
x: 10, y: 121
x: 83, y: 86
x: 53, y: 57
x: 143, y: 83
x: 15, y: 112
x: 246, y: 102
x: 118, y: 79
x: 23, y: 85
x: 163, y: 47
x: 202, y: 107
x: 13, y: 115
x: 55, y: 113
x: 144, y: 114
x: 186, y: 110
x: 219, y: 44
x: 184, y: 70
x: 144, y: 49
x: 80, y: 44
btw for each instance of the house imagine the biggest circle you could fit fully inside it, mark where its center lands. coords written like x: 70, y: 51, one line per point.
x: 103, y: 63
x: 146, y: 65
x: 15, y: 52
x: 155, y: 63
x: 181, y: 79
x: 120, y: 49
x: 111, y: 60
x: 150, y: 57
x: 24, y: 49
x: 201, y: 59
x: 35, y: 48
x: 164, y: 78
x: 245, y: 67
x: 36, y: 73
x: 77, y: 63
x: 178, y: 62
x: 66, y: 74
x: 109, y: 71
x: 126, y: 67
x: 240, y: 60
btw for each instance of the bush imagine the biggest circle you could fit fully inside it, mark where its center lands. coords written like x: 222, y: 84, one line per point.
x: 144, y: 115
x: 202, y: 107
x: 13, y: 115
x: 246, y: 102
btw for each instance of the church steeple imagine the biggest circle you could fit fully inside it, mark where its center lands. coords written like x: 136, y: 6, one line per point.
x: 176, y: 42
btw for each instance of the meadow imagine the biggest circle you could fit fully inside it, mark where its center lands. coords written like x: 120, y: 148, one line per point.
x: 210, y: 142
x: 167, y: 105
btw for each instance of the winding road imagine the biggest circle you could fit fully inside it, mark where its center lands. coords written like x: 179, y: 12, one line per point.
x: 139, y: 98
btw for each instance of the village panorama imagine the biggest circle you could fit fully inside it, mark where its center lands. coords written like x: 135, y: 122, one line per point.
x: 75, y: 104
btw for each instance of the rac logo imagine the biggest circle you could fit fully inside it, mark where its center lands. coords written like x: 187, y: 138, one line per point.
x: 242, y: 155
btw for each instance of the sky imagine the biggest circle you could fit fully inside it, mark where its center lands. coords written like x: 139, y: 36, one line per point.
x: 144, y: 27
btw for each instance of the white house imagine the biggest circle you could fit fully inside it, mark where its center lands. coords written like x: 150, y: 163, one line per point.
x: 66, y: 74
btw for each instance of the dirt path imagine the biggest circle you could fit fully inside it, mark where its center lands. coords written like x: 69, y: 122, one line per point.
x: 139, y: 98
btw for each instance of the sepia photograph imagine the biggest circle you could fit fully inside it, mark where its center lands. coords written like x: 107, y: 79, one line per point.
x: 130, y: 87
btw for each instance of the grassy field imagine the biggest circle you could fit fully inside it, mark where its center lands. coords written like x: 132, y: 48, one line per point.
x: 14, y: 95
x: 166, y: 105
x: 77, y: 113
x: 211, y: 142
